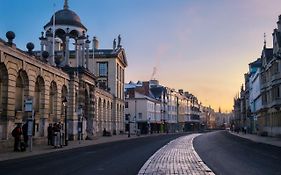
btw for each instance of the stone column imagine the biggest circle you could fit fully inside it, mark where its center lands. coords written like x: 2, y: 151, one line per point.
x: 87, y: 52
x: 66, y: 50
x: 77, y: 53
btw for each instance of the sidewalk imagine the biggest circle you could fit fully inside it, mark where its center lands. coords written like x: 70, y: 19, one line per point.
x: 267, y: 140
x: 42, y: 149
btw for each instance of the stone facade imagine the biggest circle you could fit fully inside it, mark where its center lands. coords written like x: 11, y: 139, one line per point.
x: 55, y: 73
x: 261, y: 113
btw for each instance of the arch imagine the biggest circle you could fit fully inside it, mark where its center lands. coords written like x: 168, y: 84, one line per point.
x: 3, y: 91
x: 63, y: 96
x: 22, y: 90
x: 53, y: 98
x: 60, y: 33
x: 74, y: 34
x: 99, y: 103
x: 99, y: 115
x: 86, y: 112
x: 104, y: 114
x: 39, y: 94
x: 104, y: 104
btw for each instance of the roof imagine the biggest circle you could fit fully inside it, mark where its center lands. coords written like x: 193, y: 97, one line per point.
x: 66, y: 17
x: 157, y: 91
x: 256, y: 63
x: 110, y: 53
x: 142, y: 96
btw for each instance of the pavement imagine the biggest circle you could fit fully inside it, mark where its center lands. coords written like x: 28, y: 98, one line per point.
x: 177, y: 157
x: 260, y: 139
x: 43, y: 149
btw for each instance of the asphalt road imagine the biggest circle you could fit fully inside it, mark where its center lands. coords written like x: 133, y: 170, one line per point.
x: 123, y: 157
x: 227, y: 154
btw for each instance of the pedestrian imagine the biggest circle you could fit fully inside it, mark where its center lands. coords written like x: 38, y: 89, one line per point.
x: 104, y: 132
x: 24, y: 133
x: 50, y: 135
x: 16, y: 133
x: 60, y: 134
x: 56, y: 135
x: 245, y: 129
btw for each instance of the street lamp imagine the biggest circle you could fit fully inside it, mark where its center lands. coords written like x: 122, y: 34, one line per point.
x: 64, y: 102
x: 129, y: 123
x: 80, y: 123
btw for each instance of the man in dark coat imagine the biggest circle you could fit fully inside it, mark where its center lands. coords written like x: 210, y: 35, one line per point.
x: 16, y: 133
x: 50, y: 135
x: 24, y: 133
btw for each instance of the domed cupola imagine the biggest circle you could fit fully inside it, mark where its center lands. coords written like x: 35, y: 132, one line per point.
x: 67, y: 19
x: 63, y: 29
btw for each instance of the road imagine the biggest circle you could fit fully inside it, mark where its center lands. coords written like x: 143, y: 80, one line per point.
x: 123, y: 157
x: 228, y: 154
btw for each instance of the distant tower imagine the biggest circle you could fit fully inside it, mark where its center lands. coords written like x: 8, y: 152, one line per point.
x: 264, y: 40
x: 279, y: 23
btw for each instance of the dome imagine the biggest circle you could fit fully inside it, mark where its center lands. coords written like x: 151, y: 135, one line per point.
x: 66, y: 17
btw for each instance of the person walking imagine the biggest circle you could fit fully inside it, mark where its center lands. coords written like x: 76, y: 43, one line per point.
x: 16, y: 133
x: 24, y: 133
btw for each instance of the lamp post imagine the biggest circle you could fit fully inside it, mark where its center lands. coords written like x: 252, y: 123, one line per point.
x: 129, y: 127
x: 64, y: 102
x: 80, y: 123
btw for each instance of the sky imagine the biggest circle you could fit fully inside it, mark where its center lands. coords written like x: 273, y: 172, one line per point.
x: 201, y: 46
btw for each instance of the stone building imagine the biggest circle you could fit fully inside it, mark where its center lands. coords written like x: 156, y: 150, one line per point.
x: 90, y: 79
x: 179, y: 110
x: 258, y: 106
x: 269, y: 120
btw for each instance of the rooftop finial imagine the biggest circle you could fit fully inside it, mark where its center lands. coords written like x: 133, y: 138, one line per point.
x: 65, y: 6
x: 264, y: 40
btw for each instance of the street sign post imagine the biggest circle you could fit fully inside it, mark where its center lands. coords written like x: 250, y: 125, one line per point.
x: 28, y: 104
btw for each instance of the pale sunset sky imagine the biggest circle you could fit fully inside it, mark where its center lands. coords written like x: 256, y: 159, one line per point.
x: 201, y: 46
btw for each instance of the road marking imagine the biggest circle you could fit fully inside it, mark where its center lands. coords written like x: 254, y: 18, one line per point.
x: 177, y: 157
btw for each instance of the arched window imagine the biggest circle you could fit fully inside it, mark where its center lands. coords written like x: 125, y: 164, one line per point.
x: 21, y: 90
x: 39, y: 93
x: 99, y: 109
x: 53, y: 98
x: 86, y: 112
x: 3, y: 89
x: 63, y: 96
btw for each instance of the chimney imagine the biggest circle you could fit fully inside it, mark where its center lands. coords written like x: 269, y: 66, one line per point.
x: 181, y: 91
x: 146, y: 88
x: 95, y: 43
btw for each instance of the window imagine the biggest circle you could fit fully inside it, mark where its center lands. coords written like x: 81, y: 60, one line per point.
x: 117, y: 71
x: 140, y: 115
x: 102, y: 84
x: 126, y: 104
x: 103, y: 69
x: 276, y: 92
x: 1, y: 92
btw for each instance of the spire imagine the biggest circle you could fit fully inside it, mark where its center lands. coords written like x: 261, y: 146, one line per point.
x: 65, y: 6
x: 264, y: 40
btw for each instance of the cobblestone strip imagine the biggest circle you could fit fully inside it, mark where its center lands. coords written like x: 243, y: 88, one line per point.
x: 177, y: 157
